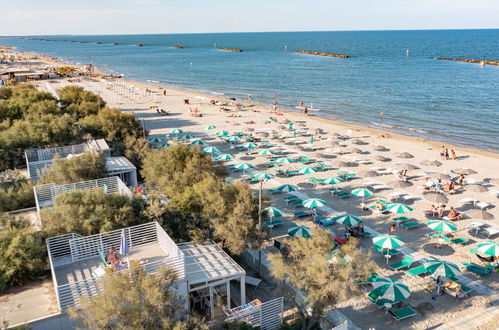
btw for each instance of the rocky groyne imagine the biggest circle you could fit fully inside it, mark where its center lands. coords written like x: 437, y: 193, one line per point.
x: 468, y: 60
x: 139, y: 45
x: 231, y: 49
x: 178, y: 47
x: 322, y: 54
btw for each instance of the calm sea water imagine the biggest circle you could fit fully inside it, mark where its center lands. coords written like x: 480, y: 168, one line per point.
x: 450, y: 101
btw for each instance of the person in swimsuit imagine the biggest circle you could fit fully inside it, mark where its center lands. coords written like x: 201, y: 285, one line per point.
x: 447, y: 154
x: 442, y: 152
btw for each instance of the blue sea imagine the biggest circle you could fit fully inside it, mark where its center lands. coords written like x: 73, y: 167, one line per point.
x: 450, y: 101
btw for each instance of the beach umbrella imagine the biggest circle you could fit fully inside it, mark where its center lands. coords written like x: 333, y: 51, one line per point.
x: 387, y: 241
x: 313, y: 202
x: 440, y: 176
x: 390, y: 289
x: 379, y: 148
x: 221, y: 133
x: 263, y: 176
x: 233, y: 138
x: 266, y: 152
x: 286, y: 188
x: 224, y: 157
x: 354, y: 150
x: 357, y: 141
x: 332, y: 180
x: 465, y: 171
x: 347, y: 220
x: 176, y: 131
x: 273, y: 212
x: 198, y: 142
x: 441, y: 225
x: 477, y: 188
x: 164, y: 145
x: 406, y: 166
x: 399, y: 184
x: 343, y: 164
x: 480, y: 214
x: 123, y: 243
x: 403, y: 155
x: 243, y: 166
x: 210, y: 150
x: 209, y: 127
x: 398, y: 208
x: 489, y: 248
x: 186, y: 136
x: 442, y: 268
x: 300, y: 231
x: 367, y: 174
x: 362, y: 192
x: 307, y: 170
x: 436, y: 197
x: 155, y: 139
x: 380, y: 158
x: 431, y: 162
x: 249, y: 145
x: 284, y: 160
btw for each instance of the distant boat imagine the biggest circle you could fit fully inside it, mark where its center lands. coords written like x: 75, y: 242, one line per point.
x: 482, y: 64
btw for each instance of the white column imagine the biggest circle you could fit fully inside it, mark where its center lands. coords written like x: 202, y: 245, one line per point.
x: 228, y: 294
x: 212, y: 312
x: 243, y: 289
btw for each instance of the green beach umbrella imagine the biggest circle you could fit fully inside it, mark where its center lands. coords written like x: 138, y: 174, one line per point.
x: 442, y: 268
x: 441, y: 225
x: 284, y: 160
x: 300, y: 231
x: 221, y: 133
x: 243, y: 166
x: 313, y: 202
x: 307, y: 170
x: 347, y: 220
x: 287, y: 188
x: 390, y: 289
x: 187, y: 136
x: 155, y: 139
x: 263, y: 176
x: 362, y: 192
x: 210, y: 150
x: 198, y: 142
x: 273, y: 212
x: 176, y: 131
x: 249, y: 145
x: 233, y: 138
x: 398, y: 208
x: 312, y: 139
x: 332, y: 180
x: 224, y: 157
x: 489, y: 248
x: 387, y: 241
x: 164, y: 145
x: 266, y: 152
x: 209, y: 127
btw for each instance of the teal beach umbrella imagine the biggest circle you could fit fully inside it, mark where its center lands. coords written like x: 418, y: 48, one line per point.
x: 300, y: 231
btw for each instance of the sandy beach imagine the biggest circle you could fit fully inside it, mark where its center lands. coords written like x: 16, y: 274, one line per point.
x: 433, y: 310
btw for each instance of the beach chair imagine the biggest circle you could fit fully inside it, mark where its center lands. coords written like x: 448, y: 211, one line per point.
x: 477, y: 270
x: 289, y: 199
x: 301, y: 214
x: 404, y: 263
x: 488, y: 232
x: 420, y: 270
x: 410, y: 225
x: 297, y: 204
x: 402, y: 313
x: 102, y: 258
x: 274, y: 223
x: 390, y: 252
x: 343, y: 194
x: 460, y: 241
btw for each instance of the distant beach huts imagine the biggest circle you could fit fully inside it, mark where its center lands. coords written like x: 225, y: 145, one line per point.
x: 231, y: 49
x: 139, y: 45
x: 322, y: 54
x: 467, y: 60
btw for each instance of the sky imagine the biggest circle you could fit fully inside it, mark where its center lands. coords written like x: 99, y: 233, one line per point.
x: 43, y: 17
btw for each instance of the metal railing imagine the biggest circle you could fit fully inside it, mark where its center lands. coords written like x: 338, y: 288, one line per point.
x: 267, y: 316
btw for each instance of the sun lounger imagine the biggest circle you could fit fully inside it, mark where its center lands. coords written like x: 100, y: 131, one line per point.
x: 274, y: 223
x: 420, y: 270
x: 326, y: 221
x: 301, y: 214
x: 408, y: 198
x: 489, y: 232
x: 343, y: 194
x: 377, y: 187
x: 467, y: 200
x: 460, y: 241
x: 390, y: 252
x: 404, y: 263
x: 402, y: 313
x: 411, y: 224
x: 297, y: 204
x: 477, y: 270
x: 482, y: 205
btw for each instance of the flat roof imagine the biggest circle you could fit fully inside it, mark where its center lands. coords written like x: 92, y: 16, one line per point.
x: 118, y: 164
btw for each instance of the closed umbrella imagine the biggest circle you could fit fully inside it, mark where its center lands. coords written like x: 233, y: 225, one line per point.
x: 388, y: 241
x: 442, y: 268
x: 406, y: 166
x: 362, y: 192
x: 480, y: 214
x: 263, y: 176
x: 390, y: 289
x: 403, y: 155
x: 489, y: 248
x: 398, y: 208
x: 436, y: 197
x: 307, y: 170
x: 286, y: 188
x: 211, y: 150
x: 284, y: 160
x: 399, y: 184
x: 367, y: 174
x: 123, y: 243
x: 313, y: 202
x: 431, y: 162
x: 209, y: 127
x: 465, y: 171
x: 224, y: 157
x: 198, y: 142
x: 347, y: 220
x: 221, y: 133
x: 300, y: 231
x: 442, y: 226
x: 332, y: 180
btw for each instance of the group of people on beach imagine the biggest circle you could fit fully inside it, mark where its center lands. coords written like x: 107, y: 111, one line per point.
x: 444, y: 154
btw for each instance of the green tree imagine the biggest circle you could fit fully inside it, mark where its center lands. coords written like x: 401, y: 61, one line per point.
x: 136, y: 300
x: 78, y: 101
x: 17, y: 194
x: 22, y: 252
x: 324, y: 275
x: 135, y: 149
x: 91, y: 211
x: 88, y: 166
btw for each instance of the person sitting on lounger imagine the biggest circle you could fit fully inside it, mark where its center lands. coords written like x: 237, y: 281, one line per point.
x: 379, y: 206
x: 112, y: 257
x: 393, y: 228
x: 454, y: 215
x: 460, y: 180
x: 433, y: 210
x: 449, y: 187
x: 441, y: 210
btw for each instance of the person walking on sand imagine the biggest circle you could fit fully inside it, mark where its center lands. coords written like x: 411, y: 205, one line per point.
x: 447, y: 154
x: 442, y: 152
x: 453, y: 153
x: 306, y: 110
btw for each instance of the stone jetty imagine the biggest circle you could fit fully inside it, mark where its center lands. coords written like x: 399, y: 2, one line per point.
x: 231, y: 49
x: 178, y: 46
x: 468, y: 60
x: 139, y: 45
x: 322, y: 54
